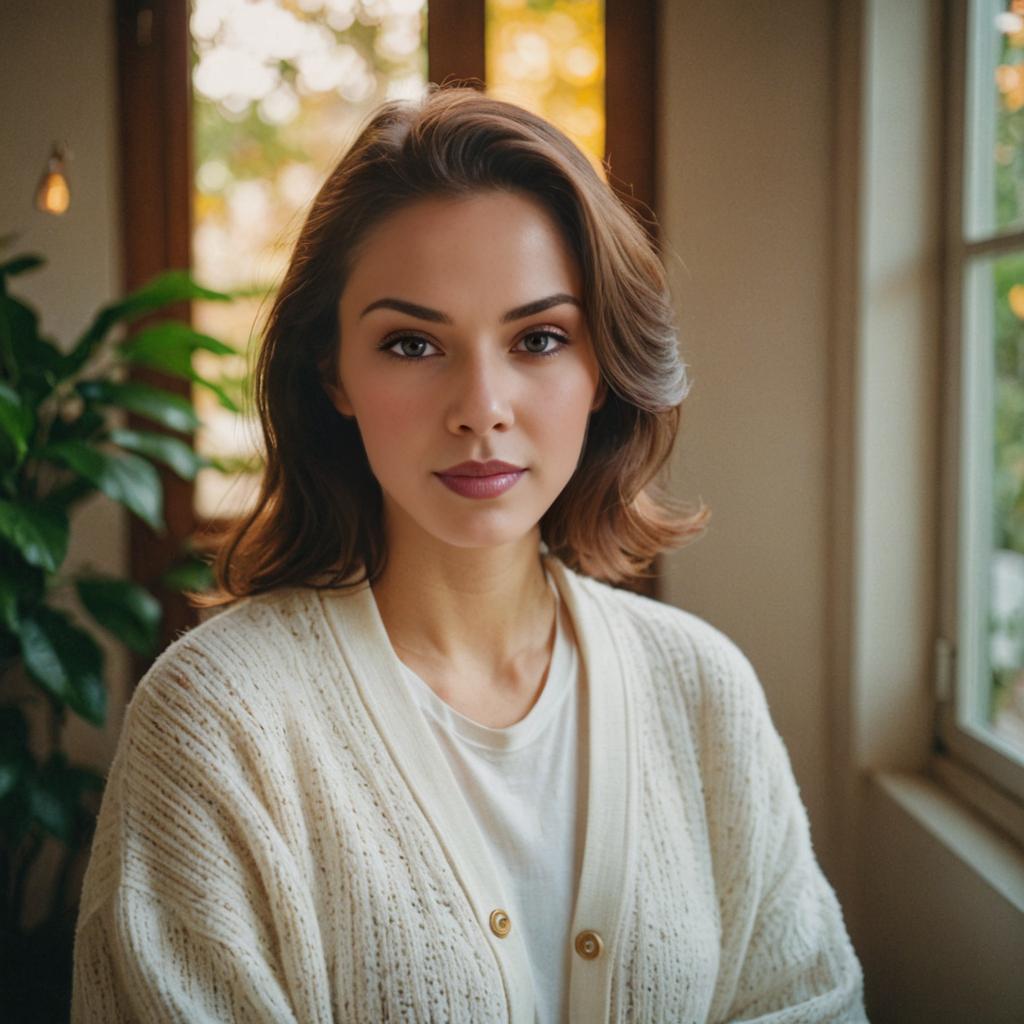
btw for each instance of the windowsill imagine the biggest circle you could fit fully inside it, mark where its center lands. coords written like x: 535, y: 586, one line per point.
x: 986, y: 851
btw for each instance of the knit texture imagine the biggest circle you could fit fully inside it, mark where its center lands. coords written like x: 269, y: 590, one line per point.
x: 259, y: 856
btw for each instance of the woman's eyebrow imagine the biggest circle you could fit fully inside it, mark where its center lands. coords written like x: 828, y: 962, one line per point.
x: 436, y: 316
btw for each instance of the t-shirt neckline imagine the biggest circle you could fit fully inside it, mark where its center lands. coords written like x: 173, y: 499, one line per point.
x: 557, y: 685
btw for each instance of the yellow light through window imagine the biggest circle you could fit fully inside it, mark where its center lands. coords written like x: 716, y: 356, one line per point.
x: 549, y: 57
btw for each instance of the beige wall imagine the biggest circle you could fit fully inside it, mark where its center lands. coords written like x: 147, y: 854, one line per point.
x: 744, y: 170
x: 942, y: 942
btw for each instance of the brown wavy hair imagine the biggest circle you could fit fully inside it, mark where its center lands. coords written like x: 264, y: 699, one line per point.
x: 318, y: 519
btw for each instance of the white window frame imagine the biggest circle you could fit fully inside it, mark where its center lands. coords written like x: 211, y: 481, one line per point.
x: 978, y: 767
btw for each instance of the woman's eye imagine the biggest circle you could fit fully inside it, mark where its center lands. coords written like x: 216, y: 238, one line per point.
x: 542, y: 337
x: 410, y: 346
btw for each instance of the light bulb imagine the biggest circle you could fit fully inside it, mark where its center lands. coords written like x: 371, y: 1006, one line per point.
x: 52, y: 194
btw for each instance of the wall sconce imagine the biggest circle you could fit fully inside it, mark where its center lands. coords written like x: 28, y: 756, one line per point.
x: 52, y: 194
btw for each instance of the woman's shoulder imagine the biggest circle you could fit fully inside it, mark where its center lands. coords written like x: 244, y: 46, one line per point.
x: 668, y: 624
x: 678, y: 645
x: 232, y: 648
x: 246, y: 621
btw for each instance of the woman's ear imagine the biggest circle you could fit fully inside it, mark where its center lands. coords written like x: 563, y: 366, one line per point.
x: 600, y: 396
x: 330, y: 380
x: 339, y: 399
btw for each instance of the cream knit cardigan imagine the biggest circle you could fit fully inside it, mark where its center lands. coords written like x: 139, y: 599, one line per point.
x: 280, y: 838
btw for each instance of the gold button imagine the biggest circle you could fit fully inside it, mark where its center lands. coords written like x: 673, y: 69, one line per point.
x: 589, y: 945
x: 500, y: 923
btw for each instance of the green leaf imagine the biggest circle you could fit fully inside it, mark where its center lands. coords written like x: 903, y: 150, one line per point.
x: 23, y: 321
x: 27, y: 583
x: 54, y: 796
x: 222, y: 396
x: 171, y: 451
x: 16, y: 421
x: 53, y: 806
x: 253, y: 291
x: 64, y: 660
x: 127, y: 479
x: 21, y: 264
x: 8, y: 603
x: 169, y: 346
x: 33, y: 362
x: 14, y: 754
x: 11, y: 772
x: 127, y: 610
x: 191, y: 574
x: 39, y: 531
x: 244, y: 465
x: 165, y: 289
x: 163, y: 407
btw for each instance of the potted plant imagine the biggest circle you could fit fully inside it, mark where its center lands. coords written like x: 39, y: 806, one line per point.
x: 60, y: 442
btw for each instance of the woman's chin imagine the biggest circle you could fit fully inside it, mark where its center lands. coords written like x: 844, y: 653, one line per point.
x: 469, y: 532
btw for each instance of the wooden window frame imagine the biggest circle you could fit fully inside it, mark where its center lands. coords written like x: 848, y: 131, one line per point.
x: 975, y: 771
x: 155, y: 145
x: 156, y: 156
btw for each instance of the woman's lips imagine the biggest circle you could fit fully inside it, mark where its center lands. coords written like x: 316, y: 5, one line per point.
x: 480, y: 486
x: 474, y: 468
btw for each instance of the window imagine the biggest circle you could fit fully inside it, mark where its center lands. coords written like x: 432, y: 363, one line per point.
x: 279, y: 91
x: 981, y: 657
x: 550, y: 58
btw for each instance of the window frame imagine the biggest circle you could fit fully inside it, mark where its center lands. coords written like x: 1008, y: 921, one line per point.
x: 155, y: 161
x: 975, y: 770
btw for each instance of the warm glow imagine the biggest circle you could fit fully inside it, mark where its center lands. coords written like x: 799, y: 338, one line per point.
x: 279, y: 89
x: 1016, y: 300
x: 551, y: 61
x: 53, y: 194
x: 1007, y: 77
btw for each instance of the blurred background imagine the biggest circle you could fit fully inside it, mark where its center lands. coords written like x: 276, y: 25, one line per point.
x: 837, y: 191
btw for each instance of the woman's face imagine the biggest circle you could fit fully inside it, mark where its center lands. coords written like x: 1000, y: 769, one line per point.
x: 463, y: 339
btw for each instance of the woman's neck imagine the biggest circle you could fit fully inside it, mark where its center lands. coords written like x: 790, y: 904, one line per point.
x: 474, y: 610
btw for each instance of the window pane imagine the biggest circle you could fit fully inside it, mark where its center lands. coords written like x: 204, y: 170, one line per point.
x: 991, y: 666
x: 548, y: 56
x: 995, y: 118
x: 279, y: 90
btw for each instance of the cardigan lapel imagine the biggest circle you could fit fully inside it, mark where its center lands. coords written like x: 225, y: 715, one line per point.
x: 611, y: 805
x: 607, y: 874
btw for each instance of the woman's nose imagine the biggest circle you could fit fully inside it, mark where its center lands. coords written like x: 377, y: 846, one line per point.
x: 481, y: 396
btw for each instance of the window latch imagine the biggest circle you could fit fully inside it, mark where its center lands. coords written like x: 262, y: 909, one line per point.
x: 945, y: 657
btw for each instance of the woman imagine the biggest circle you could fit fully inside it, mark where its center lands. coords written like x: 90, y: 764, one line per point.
x: 430, y: 765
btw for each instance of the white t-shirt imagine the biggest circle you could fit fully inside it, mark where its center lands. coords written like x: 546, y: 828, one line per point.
x: 526, y: 787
